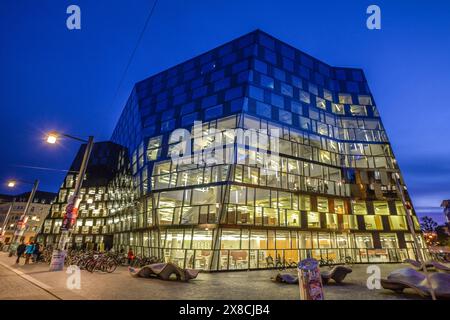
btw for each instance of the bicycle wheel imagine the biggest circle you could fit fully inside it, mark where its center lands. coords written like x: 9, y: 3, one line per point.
x: 110, y: 267
x: 90, y: 266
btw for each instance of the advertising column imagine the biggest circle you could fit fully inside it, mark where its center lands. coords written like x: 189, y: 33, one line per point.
x: 309, y: 280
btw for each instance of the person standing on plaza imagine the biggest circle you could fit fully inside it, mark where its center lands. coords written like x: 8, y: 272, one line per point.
x: 130, y: 256
x: 28, y: 252
x: 36, y: 251
x: 20, y: 251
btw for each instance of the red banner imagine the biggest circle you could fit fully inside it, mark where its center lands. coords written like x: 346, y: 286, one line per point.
x: 70, y: 216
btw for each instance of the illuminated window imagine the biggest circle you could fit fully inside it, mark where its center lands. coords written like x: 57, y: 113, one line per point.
x: 400, y: 208
x: 337, y: 108
x: 313, y: 220
x: 363, y: 240
x: 230, y: 239
x: 327, y: 95
x: 304, y: 97
x: 398, y: 223
x: 365, y: 100
x: 69, y: 181
x: 388, y: 240
x: 320, y: 103
x: 339, y: 207
x: 358, y: 110
x: 258, y: 239
x: 305, y: 203
x: 345, y: 99
x: 373, y: 222
x: 153, y: 148
x: 324, y: 240
x: 322, y: 204
x: 270, y: 217
x: 349, y: 222
x: 359, y: 207
x: 381, y: 207
x: 325, y: 156
x: 293, y: 218
x: 332, y: 221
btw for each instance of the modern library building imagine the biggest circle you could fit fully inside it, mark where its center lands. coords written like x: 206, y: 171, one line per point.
x: 328, y: 192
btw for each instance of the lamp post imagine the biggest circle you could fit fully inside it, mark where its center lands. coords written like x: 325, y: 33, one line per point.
x: 22, y: 222
x: 71, y: 212
x: 5, y: 222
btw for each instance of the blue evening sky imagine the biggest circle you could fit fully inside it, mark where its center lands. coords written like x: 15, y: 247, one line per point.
x: 54, y: 78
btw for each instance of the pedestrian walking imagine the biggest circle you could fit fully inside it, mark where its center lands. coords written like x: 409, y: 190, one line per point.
x: 28, y: 252
x: 20, y: 251
x: 37, y: 251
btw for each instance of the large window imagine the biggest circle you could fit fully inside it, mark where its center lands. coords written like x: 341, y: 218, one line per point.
x: 381, y: 207
x: 373, y: 222
x: 337, y: 108
x: 332, y: 221
x: 256, y: 93
x: 304, y: 240
x: 345, y: 99
x: 293, y: 218
x: 230, y: 239
x: 359, y: 207
x: 202, y: 239
x: 358, y: 110
x: 339, y: 206
x: 398, y: 222
x: 349, y: 222
x: 388, y: 240
x: 365, y: 100
x: 324, y: 240
x: 400, y: 208
x: 313, y: 220
x: 322, y: 204
x: 258, y: 239
x: 363, y: 240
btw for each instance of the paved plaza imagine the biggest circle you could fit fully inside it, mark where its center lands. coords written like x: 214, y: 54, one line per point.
x: 34, y: 281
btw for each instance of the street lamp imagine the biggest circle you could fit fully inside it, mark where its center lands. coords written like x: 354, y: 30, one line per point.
x: 51, y: 138
x: 5, y: 222
x: 71, y: 214
x: 22, y: 222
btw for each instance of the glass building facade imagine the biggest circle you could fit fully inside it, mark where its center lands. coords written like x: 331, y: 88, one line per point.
x: 329, y: 194
x: 106, y: 195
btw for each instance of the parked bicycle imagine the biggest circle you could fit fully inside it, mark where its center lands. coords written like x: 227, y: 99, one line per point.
x: 280, y: 264
x: 283, y: 264
x: 139, y: 262
x: 325, y: 262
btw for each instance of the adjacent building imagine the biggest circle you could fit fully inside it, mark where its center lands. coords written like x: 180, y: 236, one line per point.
x: 327, y: 193
x: 446, y: 205
x: 12, y: 208
x: 106, y: 191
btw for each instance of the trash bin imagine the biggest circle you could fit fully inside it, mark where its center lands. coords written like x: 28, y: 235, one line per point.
x: 309, y: 280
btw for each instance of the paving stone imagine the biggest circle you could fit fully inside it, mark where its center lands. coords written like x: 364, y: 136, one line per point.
x: 221, y: 285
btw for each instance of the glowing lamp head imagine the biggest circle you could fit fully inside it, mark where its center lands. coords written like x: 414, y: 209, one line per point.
x: 52, y: 138
x: 11, y: 184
